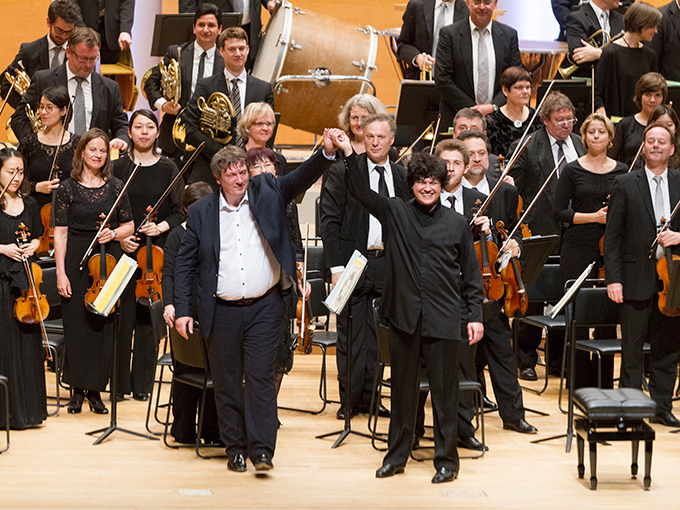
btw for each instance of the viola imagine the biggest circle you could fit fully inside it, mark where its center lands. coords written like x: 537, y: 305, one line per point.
x: 663, y: 268
x: 487, y: 255
x: 516, y: 300
x: 304, y: 309
x: 525, y: 228
x: 100, y: 267
x: 150, y: 258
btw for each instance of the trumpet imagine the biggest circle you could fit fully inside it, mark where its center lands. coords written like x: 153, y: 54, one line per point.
x: 216, y: 120
x: 595, y: 41
x: 426, y: 73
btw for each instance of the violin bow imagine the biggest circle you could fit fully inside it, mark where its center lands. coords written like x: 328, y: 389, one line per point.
x: 4, y: 190
x: 637, y: 156
x: 666, y: 226
x: 61, y: 140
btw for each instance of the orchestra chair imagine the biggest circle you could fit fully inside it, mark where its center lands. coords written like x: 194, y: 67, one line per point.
x: 123, y: 72
x: 545, y: 291
x: 620, y: 413
x: 3, y: 383
x: 190, y: 352
x: 160, y: 334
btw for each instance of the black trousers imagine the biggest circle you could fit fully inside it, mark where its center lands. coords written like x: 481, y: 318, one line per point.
x: 642, y: 321
x: 364, y: 337
x: 441, y: 360
x: 243, y: 342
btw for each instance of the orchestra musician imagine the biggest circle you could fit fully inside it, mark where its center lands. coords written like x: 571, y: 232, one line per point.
x: 90, y: 191
x: 153, y: 178
x: 241, y: 87
x: 637, y: 203
x: 113, y: 20
x: 256, y: 127
x: 561, y: 9
x: 240, y: 308
x: 666, y: 115
x: 665, y: 42
x: 47, y: 52
x: 197, y: 59
x: 21, y: 351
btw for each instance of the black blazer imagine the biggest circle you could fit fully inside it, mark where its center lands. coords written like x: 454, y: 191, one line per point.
x: 581, y: 24
x: 34, y: 56
x: 530, y: 171
x: 107, y: 106
x: 256, y: 90
x: 453, y: 73
x: 630, y: 231
x: 561, y: 9
x: 119, y: 15
x: 199, y: 255
x: 416, y: 34
x: 344, y: 223
x: 667, y: 40
x: 153, y: 91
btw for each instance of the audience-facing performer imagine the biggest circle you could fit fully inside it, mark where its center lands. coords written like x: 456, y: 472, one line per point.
x: 431, y: 269
x: 561, y: 9
x: 113, y: 19
x: 91, y: 191
x: 495, y: 347
x: 21, y: 351
x: 638, y: 202
x: 39, y: 149
x: 97, y: 102
x: 624, y: 61
x: 347, y: 226
x: 240, y: 87
x: 256, y: 127
x: 47, y: 52
x: 419, y: 35
x: 197, y: 59
x: 666, y: 115
x: 353, y: 112
x: 152, y: 179
x: 650, y: 91
x: 240, y: 308
x: 665, y: 42
x: 467, y: 72
x: 582, y: 23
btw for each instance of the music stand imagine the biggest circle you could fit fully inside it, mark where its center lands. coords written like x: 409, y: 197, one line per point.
x: 418, y: 103
x: 577, y: 90
x: 178, y: 28
x: 535, y: 253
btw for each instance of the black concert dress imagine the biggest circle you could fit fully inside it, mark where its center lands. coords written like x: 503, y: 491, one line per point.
x: 502, y: 131
x: 22, y: 354
x: 89, y: 337
x: 627, y: 141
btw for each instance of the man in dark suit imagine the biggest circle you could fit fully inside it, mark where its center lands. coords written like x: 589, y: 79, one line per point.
x: 197, y: 59
x: 530, y: 172
x: 418, y: 38
x: 637, y: 203
x: 561, y: 9
x: 345, y: 227
x: 584, y: 22
x: 667, y: 41
x: 242, y: 90
x: 495, y: 347
x: 251, y: 21
x: 113, y: 22
x: 239, y: 247
x: 47, y: 52
x: 468, y: 73
x: 98, y: 97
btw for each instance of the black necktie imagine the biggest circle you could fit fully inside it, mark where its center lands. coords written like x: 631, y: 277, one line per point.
x: 382, y: 185
x: 452, y: 201
x: 560, y: 155
x: 201, y: 66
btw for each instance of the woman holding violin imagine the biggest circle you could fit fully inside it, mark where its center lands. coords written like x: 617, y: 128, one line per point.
x: 21, y: 352
x: 91, y: 190
x: 155, y: 174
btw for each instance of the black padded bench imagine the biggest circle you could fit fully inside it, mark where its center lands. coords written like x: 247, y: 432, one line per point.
x: 620, y: 412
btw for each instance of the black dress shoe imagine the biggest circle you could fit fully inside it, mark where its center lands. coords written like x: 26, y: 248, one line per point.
x: 263, y: 463
x: 387, y: 470
x: 520, y: 426
x: 528, y: 374
x: 383, y: 412
x: 237, y: 463
x: 120, y: 397
x: 96, y: 404
x: 75, y: 405
x: 471, y: 443
x: 444, y: 475
x: 488, y: 404
x: 666, y: 419
x: 141, y: 397
x: 340, y: 415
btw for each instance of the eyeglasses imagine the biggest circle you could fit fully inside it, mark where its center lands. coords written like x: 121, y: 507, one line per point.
x: 49, y: 108
x: 261, y: 166
x: 263, y: 124
x: 355, y: 119
x: 61, y: 31
x: 477, y: 3
x: 85, y: 60
x: 565, y: 123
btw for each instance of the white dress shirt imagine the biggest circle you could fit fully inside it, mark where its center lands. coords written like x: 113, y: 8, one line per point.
x: 458, y: 195
x: 241, y: 85
x: 666, y: 213
x: 247, y: 266
x: 448, y: 19
x: 209, y: 63
x: 482, y: 187
x: 87, y: 95
x: 570, y: 153
x: 375, y: 241
x: 602, y: 17
x: 491, y: 53
x: 50, y: 52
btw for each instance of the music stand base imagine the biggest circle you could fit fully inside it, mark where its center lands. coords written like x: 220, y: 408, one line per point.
x: 343, y: 435
x: 110, y: 429
x: 540, y: 413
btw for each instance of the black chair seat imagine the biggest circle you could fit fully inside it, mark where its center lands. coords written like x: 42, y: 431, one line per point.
x: 54, y: 326
x: 165, y: 360
x: 55, y: 340
x: 325, y: 338
x: 605, y: 347
x: 194, y: 379
x: 616, y: 405
x: 545, y: 321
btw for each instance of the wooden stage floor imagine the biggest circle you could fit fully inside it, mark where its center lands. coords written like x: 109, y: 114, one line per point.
x: 56, y: 466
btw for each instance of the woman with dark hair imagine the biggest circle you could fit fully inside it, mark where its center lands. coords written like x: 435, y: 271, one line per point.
x: 90, y: 191
x: 508, y: 123
x: 39, y: 149
x: 21, y: 350
x: 155, y: 174
x: 650, y: 91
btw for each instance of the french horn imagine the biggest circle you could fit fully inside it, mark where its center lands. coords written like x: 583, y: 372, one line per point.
x: 171, y: 80
x: 215, y: 122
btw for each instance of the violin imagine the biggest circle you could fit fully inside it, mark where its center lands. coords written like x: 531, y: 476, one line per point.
x: 600, y: 244
x: 32, y: 306
x: 150, y: 258
x: 516, y: 300
x: 100, y: 266
x: 525, y: 228
x: 304, y: 309
x: 487, y: 255
x: 663, y: 268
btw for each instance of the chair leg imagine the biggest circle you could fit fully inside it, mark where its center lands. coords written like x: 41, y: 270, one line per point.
x: 635, y: 447
x: 580, y: 447
x: 593, y: 464
x: 57, y: 375
x: 167, y: 418
x: 648, y: 464
x: 6, y: 388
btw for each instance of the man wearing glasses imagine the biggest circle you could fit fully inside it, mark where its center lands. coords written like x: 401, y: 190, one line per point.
x: 530, y: 172
x: 47, y: 52
x: 96, y: 99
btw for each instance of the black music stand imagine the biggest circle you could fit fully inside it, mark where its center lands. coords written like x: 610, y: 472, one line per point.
x: 535, y: 253
x: 178, y: 28
x: 577, y: 90
x: 418, y: 103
